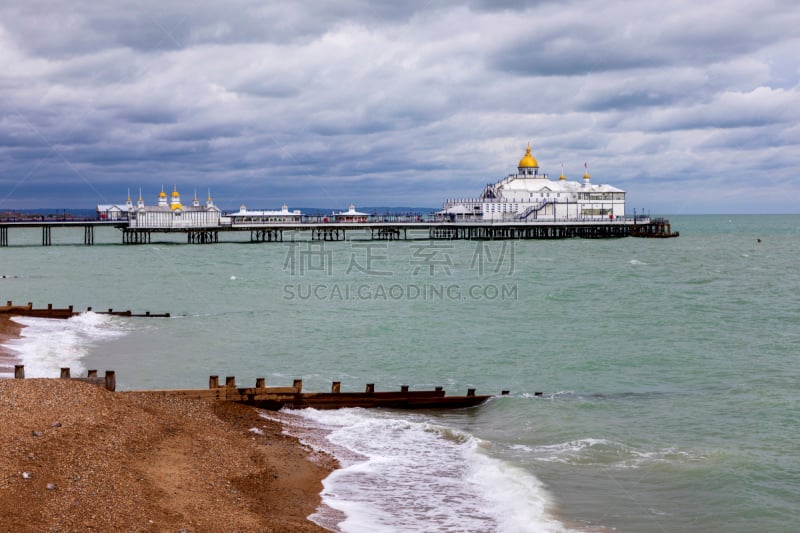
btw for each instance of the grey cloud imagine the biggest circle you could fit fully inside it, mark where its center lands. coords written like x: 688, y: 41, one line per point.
x: 372, y: 102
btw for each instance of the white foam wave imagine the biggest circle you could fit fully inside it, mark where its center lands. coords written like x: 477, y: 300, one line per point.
x: 46, y: 345
x: 415, y: 475
x: 603, y: 452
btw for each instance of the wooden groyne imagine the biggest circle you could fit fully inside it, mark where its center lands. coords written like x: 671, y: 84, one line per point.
x: 108, y: 382
x: 66, y: 312
x: 275, y: 398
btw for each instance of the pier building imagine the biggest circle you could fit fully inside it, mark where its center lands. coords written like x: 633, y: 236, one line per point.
x: 165, y: 214
x: 530, y: 195
x: 351, y: 215
x: 247, y: 217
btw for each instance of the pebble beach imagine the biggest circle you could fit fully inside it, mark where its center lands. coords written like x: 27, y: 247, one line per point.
x: 76, y: 457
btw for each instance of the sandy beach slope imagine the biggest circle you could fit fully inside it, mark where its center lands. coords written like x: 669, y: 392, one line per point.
x: 75, y: 457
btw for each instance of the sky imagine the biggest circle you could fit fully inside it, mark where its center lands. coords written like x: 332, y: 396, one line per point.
x: 690, y: 107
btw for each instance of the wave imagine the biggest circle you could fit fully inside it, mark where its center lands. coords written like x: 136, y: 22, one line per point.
x: 604, y: 452
x: 407, y: 473
x: 46, y: 345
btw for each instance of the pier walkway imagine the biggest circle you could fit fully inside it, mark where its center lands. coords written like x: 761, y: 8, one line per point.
x: 374, y: 231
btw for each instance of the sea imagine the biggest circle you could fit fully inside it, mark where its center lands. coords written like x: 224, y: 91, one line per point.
x: 653, y: 384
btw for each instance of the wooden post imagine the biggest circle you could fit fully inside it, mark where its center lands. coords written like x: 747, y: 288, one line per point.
x: 438, y: 389
x: 111, y: 380
x: 504, y: 393
x: 213, y: 382
x: 88, y: 309
x: 49, y: 307
x: 65, y: 373
x: 336, y: 387
x: 298, y: 384
x: 261, y: 383
x: 470, y: 392
x: 91, y: 374
x: 403, y: 388
x: 19, y: 371
x: 230, y: 381
x: 370, y: 388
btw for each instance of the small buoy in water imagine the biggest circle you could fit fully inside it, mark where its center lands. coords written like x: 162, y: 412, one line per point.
x: 758, y: 240
x: 233, y: 277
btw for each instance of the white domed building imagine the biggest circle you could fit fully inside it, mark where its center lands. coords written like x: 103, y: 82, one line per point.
x: 529, y: 195
x: 173, y: 214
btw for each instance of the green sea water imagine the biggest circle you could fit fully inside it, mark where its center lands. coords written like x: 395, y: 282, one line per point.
x: 668, y: 368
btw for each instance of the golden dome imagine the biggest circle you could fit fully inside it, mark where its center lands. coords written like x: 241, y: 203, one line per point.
x: 162, y: 194
x: 528, y: 161
x: 176, y: 206
x: 175, y: 193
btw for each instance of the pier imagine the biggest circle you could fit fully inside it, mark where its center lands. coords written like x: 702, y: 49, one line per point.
x: 366, y: 231
x: 276, y: 398
x: 46, y: 227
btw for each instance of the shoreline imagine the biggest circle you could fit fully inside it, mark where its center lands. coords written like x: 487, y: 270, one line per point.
x: 8, y: 330
x: 74, y: 456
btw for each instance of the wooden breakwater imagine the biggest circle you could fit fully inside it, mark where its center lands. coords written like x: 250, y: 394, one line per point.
x: 274, y: 398
x: 293, y: 397
x: 66, y: 312
x: 108, y: 382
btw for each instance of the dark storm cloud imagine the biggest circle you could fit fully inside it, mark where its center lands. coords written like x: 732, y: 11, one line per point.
x: 392, y: 103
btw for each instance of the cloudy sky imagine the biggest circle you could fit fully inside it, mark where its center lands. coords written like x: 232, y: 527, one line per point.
x: 691, y: 107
